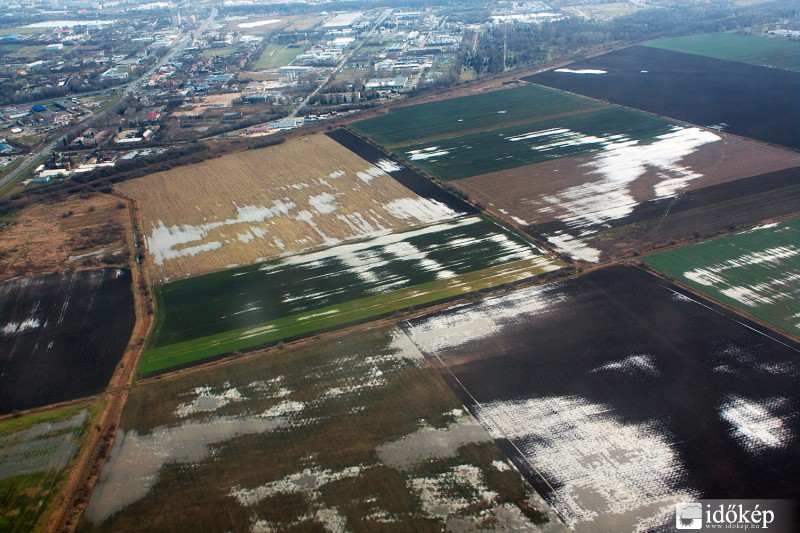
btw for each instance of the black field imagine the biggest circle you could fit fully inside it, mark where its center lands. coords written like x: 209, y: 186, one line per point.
x: 407, y: 177
x: 757, y: 102
x: 61, y: 335
x: 644, y: 357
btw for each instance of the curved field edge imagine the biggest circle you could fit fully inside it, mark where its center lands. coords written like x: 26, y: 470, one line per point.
x: 158, y: 360
x: 28, y: 500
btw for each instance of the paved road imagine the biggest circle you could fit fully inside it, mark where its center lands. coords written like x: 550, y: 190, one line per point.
x: 126, y: 90
x: 341, y: 64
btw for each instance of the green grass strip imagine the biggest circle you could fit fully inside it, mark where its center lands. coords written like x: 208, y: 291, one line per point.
x: 182, y: 353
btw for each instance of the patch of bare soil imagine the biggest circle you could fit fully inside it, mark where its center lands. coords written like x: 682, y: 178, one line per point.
x: 74, y: 233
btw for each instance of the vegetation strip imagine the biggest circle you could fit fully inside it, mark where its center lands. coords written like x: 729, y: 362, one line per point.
x: 36, y: 452
x: 177, y: 354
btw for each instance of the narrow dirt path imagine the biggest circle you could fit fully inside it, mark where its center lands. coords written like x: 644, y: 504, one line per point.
x: 74, y: 497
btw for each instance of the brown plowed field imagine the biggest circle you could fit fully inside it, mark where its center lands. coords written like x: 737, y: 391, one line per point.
x: 260, y: 204
x: 71, y: 234
x: 521, y: 191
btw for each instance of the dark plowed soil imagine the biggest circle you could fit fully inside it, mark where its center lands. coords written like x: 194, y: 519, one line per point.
x: 756, y: 102
x: 61, y: 335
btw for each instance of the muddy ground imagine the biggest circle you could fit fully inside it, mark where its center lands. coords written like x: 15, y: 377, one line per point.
x: 618, y: 395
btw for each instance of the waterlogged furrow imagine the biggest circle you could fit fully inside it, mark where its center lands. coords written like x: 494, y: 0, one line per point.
x: 598, y: 464
x: 336, y: 435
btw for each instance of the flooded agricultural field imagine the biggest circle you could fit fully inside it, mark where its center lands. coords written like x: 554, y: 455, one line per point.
x: 757, y: 271
x: 619, y: 396
x: 61, y: 335
x: 258, y: 304
x: 747, y: 100
x: 260, y: 205
x: 356, y: 433
x: 633, y: 196
x: 32, y: 460
x: 408, y: 177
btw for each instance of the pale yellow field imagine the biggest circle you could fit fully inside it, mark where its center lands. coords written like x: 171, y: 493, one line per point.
x: 257, y: 205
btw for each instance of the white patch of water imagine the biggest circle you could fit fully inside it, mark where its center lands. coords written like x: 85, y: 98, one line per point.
x: 136, y: 460
x: 207, y: 401
x: 642, y: 364
x: 426, y: 153
x: 429, y: 443
x: 12, y: 328
x: 421, y: 209
x: 574, y: 247
x: 371, y: 173
x: 619, y: 164
x: 164, y: 242
x: 438, y: 334
x: 598, y: 464
x: 755, y: 425
x: 387, y: 165
x: 581, y: 71
x: 323, y: 203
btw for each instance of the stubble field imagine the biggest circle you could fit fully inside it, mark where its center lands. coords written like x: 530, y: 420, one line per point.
x: 70, y: 234
x: 257, y: 205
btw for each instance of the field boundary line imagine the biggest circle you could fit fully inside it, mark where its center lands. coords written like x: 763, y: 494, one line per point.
x: 739, y: 316
x: 81, y: 480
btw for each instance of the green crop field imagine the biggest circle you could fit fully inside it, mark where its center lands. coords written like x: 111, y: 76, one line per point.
x: 489, y: 111
x: 749, y: 49
x: 501, y: 130
x: 218, y: 313
x: 757, y: 271
x: 533, y: 142
x: 278, y: 55
x: 35, y: 451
